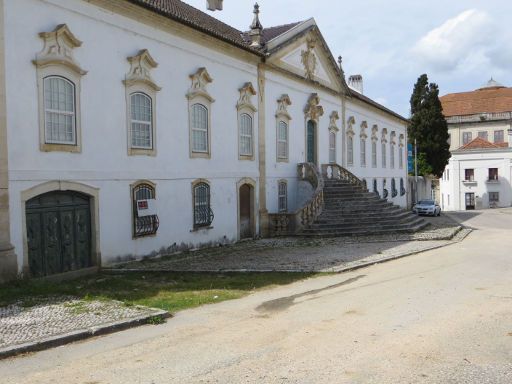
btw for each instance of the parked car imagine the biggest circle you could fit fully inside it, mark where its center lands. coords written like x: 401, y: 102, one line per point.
x: 427, y: 207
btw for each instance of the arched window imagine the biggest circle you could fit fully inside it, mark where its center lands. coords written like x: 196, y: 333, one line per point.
x: 375, y: 188
x: 384, y: 155
x: 199, y: 128
x: 350, y: 150
x: 332, y: 147
x: 374, y: 154
x: 141, y: 111
x: 203, y: 214
x: 363, y: 152
x: 245, y: 139
x: 402, y: 187
x: 145, y: 220
x: 282, y: 141
x: 283, y: 196
x: 400, y: 157
x: 392, y: 155
x: 394, y: 191
x: 385, y: 192
x: 59, y: 111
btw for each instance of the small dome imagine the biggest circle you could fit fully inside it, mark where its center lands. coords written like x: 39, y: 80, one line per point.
x: 492, y: 84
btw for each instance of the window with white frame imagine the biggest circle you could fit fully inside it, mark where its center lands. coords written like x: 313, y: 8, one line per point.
x: 143, y: 225
x: 141, y: 111
x: 384, y: 156
x: 283, y: 196
x: 350, y: 150
x: 282, y: 141
x: 374, y: 154
x: 59, y: 108
x: 245, y: 140
x: 203, y: 214
x: 363, y: 152
x: 199, y: 125
x: 332, y: 147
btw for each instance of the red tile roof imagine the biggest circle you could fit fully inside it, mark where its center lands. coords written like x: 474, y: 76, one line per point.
x: 480, y: 143
x: 485, y: 100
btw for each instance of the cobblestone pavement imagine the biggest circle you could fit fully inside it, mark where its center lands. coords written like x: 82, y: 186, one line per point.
x: 303, y: 254
x: 58, y: 316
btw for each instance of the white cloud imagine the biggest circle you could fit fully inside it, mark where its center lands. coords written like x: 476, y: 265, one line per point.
x: 463, y: 41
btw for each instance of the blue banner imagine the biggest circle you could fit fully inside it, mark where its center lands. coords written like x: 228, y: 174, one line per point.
x: 410, y: 158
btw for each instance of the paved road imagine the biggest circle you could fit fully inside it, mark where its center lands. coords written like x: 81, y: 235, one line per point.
x: 439, y: 317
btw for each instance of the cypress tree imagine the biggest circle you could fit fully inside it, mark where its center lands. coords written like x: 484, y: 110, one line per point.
x: 428, y: 125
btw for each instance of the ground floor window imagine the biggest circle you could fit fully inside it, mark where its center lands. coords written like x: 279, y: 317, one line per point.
x: 283, y: 196
x: 145, y: 220
x: 203, y: 214
x: 494, y: 197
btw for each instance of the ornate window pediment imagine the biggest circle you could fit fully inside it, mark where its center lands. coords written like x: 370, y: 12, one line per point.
x: 314, y: 110
x: 58, y: 49
x: 401, y: 140
x: 140, y: 70
x: 350, y: 130
x: 383, y: 137
x: 282, y: 107
x: 392, y: 138
x: 364, y: 127
x: 333, y: 118
x: 245, y: 100
x: 200, y: 79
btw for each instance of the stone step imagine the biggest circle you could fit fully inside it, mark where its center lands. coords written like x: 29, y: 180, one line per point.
x: 375, y: 224
x: 363, y: 232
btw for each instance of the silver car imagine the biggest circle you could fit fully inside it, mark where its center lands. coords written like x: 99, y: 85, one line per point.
x: 427, y: 207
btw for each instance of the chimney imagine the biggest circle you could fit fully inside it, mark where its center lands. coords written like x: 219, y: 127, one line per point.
x: 214, y: 5
x: 356, y: 82
x: 256, y: 28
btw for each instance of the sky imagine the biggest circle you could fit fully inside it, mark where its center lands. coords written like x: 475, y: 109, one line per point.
x: 459, y: 44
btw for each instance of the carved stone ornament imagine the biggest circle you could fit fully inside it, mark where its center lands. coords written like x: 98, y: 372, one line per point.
x: 392, y: 138
x: 309, y: 59
x: 200, y: 79
x: 140, y: 70
x: 401, y: 139
x: 384, y: 133
x: 333, y: 118
x: 313, y: 110
x: 282, y: 107
x: 350, y: 130
x: 246, y: 94
x: 375, y: 129
x: 58, y: 49
x: 364, y: 127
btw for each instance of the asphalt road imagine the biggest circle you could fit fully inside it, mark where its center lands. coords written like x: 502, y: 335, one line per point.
x: 439, y: 317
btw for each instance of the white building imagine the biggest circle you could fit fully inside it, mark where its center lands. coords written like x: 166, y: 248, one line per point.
x: 132, y: 128
x: 479, y: 174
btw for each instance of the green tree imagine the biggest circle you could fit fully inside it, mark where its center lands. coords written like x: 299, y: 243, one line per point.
x: 428, y: 127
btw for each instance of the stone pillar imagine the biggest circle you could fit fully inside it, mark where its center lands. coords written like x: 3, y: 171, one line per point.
x: 8, y: 260
x: 262, y: 155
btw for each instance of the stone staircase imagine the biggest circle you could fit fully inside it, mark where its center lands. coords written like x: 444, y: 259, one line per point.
x: 350, y: 210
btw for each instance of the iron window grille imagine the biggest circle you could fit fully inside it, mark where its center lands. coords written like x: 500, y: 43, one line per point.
x: 144, y: 225
x: 203, y: 214
x: 375, y: 189
x: 283, y: 196
x: 402, y: 187
x: 385, y: 192
x: 394, y: 191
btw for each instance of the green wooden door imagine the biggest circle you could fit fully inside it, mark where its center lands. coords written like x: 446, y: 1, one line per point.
x: 58, y: 233
x: 311, y: 142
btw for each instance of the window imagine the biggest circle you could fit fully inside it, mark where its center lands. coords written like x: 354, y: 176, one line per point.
x: 402, y: 187
x: 394, y: 191
x: 141, y: 121
x: 493, y: 174
x: 245, y: 135
x: 466, y: 137
x: 59, y: 108
x: 144, y: 224
x: 375, y: 189
x: 469, y: 175
x: 282, y: 141
x: 392, y: 155
x: 385, y: 192
x: 482, y: 135
x: 447, y: 175
x: 400, y: 157
x: 499, y: 137
x: 203, y: 214
x: 199, y: 128
x: 374, y: 154
x: 332, y: 147
x: 363, y: 152
x: 494, y: 197
x: 383, y: 155
x: 283, y: 196
x: 350, y: 150
x: 448, y: 198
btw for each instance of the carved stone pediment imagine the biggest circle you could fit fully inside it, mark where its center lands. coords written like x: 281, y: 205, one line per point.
x: 383, y: 137
x: 140, y: 70
x: 200, y: 79
x: 282, y: 107
x: 333, y: 118
x: 58, y: 49
x: 313, y: 108
x: 309, y: 59
x: 364, y: 127
x: 350, y: 123
x: 246, y: 94
x: 401, y: 140
x: 392, y: 138
x: 375, y: 129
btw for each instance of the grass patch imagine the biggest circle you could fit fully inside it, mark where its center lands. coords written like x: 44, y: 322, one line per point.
x: 169, y: 291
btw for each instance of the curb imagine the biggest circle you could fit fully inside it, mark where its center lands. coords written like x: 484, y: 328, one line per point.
x: 81, y: 334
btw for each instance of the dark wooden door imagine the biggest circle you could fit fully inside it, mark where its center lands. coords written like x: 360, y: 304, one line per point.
x: 470, y: 201
x: 245, y: 210
x: 58, y: 233
x: 311, y: 142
